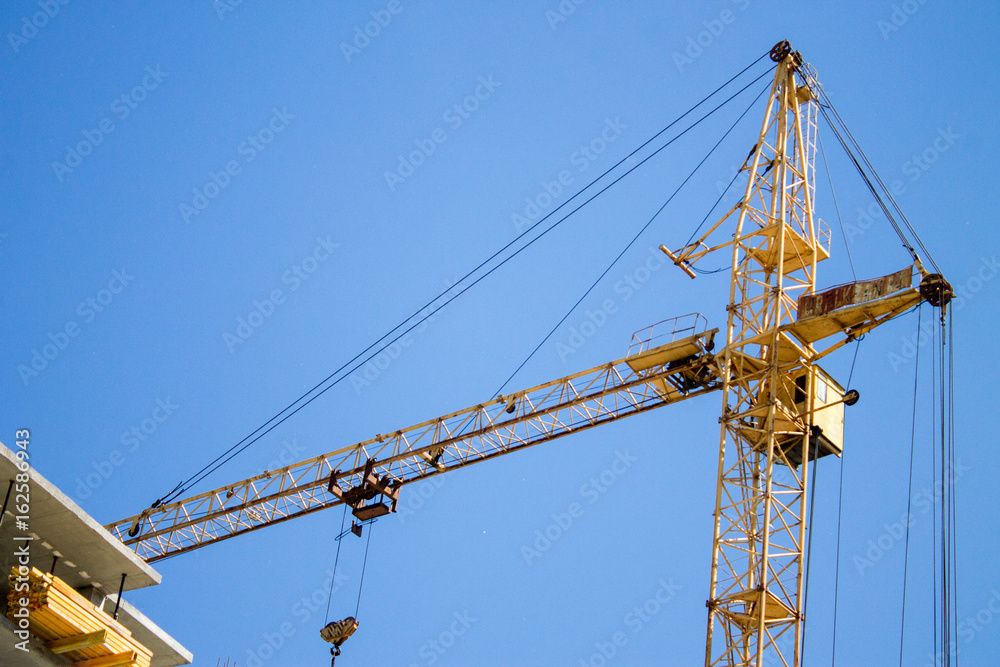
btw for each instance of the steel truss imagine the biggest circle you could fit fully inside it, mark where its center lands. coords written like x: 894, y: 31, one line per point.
x: 574, y: 403
x: 758, y: 547
x: 758, y: 554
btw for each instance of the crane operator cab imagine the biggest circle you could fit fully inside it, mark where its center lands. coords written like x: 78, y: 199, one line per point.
x: 337, y: 633
x: 792, y: 411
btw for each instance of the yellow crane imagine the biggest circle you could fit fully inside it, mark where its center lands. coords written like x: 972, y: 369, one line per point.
x: 780, y: 409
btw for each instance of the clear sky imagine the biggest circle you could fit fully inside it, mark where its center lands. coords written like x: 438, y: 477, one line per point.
x: 171, y: 170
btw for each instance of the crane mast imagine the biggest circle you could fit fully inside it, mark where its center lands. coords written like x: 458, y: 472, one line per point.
x: 776, y: 415
x: 758, y: 551
x: 769, y: 383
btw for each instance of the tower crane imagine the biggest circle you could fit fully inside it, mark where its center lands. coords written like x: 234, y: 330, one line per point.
x: 780, y: 409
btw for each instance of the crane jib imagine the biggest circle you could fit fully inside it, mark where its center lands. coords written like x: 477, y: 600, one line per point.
x: 641, y: 382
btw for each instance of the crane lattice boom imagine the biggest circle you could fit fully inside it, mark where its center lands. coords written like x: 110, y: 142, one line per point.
x: 641, y: 382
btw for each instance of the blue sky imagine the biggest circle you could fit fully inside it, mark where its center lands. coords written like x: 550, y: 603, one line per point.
x: 236, y: 154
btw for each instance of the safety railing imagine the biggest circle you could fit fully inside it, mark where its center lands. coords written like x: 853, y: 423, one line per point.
x: 667, y: 331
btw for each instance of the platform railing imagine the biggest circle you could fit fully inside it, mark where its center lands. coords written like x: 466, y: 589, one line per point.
x: 667, y: 331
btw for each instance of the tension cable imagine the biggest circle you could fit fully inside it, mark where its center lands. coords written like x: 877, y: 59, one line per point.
x: 302, y: 401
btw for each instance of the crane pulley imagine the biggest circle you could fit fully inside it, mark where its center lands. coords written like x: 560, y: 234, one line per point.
x: 371, y: 485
